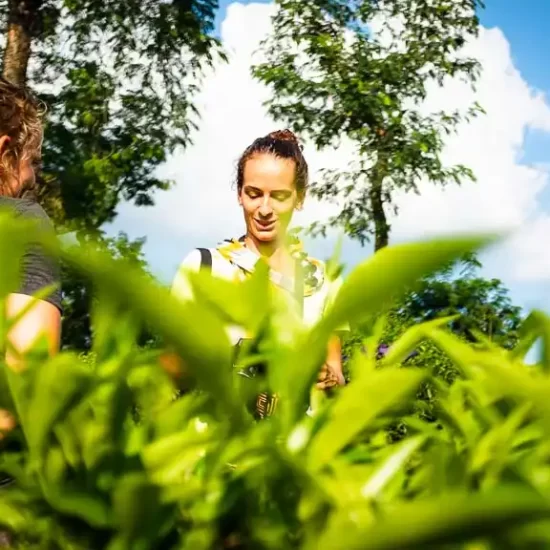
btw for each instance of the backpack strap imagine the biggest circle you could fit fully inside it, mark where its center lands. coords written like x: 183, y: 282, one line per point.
x: 206, y: 259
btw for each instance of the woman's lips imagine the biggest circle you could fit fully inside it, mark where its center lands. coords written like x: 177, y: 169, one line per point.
x: 264, y: 226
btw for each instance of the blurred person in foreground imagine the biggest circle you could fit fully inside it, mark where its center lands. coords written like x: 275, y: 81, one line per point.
x: 272, y: 180
x: 20, y: 153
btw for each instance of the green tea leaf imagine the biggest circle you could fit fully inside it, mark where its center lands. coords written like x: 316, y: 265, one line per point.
x: 358, y: 405
x: 391, y: 465
x: 12, y: 515
x: 375, y: 284
x: 535, y: 326
x: 88, y: 506
x: 245, y: 304
x: 408, y: 342
x: 58, y: 387
x: 450, y: 519
x: 494, y: 447
x: 196, y: 333
x: 138, y: 512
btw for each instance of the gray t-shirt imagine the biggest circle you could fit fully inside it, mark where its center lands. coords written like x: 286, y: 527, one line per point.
x: 38, y: 269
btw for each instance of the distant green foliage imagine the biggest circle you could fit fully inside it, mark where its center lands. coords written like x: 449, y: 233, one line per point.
x: 481, y: 306
x: 198, y: 473
x: 78, y: 294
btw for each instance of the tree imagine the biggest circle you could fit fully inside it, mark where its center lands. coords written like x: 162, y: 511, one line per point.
x: 483, y: 306
x: 119, y: 79
x: 359, y: 69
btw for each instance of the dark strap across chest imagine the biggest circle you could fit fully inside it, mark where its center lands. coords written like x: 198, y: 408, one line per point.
x: 206, y: 259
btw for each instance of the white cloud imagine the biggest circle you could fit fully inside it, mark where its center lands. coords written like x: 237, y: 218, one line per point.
x: 506, y: 194
x: 525, y: 255
x: 202, y: 208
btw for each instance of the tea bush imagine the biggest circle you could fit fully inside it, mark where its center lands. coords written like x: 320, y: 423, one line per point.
x: 198, y: 473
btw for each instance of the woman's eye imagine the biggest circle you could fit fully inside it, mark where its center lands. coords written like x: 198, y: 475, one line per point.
x: 281, y: 196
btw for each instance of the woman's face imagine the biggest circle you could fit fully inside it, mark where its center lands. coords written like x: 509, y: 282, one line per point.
x: 268, y: 196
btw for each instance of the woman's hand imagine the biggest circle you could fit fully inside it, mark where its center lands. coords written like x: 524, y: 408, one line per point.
x: 329, y: 378
x: 331, y: 374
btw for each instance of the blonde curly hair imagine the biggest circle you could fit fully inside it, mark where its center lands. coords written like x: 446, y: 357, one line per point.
x: 21, y: 121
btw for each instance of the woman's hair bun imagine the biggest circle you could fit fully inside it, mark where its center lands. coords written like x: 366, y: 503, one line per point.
x: 284, y: 135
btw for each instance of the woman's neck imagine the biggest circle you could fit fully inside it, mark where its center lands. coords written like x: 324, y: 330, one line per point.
x: 274, y: 253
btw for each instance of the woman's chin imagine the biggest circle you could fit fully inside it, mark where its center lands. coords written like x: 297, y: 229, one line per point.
x: 266, y: 236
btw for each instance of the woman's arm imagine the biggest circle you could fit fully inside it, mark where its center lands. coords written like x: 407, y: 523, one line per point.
x: 42, y: 319
x: 331, y: 374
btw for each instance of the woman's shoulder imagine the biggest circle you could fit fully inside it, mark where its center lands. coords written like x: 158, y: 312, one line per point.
x: 201, y: 257
x: 192, y: 261
x: 28, y: 208
x: 197, y: 259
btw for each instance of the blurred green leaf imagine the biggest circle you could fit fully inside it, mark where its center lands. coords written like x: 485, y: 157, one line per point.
x: 391, y: 465
x: 60, y: 385
x: 365, y: 292
x: 450, y: 519
x: 195, y: 332
x: 361, y: 403
x: 138, y: 512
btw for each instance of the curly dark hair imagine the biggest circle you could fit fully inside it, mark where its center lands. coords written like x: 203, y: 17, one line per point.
x: 283, y: 144
x: 21, y: 116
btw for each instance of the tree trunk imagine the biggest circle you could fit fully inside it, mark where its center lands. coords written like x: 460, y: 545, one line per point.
x: 23, y: 20
x: 381, y: 226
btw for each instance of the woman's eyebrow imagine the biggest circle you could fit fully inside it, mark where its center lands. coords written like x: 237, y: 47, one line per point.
x: 274, y: 191
x: 252, y: 188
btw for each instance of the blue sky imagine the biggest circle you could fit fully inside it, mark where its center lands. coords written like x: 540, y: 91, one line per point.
x: 232, y: 105
x: 526, y: 26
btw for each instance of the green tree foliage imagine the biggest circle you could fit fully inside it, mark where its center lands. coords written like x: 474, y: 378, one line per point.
x: 198, y: 473
x: 482, y: 305
x: 119, y: 79
x: 359, y: 70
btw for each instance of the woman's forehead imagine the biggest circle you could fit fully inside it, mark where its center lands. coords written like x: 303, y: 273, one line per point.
x: 269, y: 172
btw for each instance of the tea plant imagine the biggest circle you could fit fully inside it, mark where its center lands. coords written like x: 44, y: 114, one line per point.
x: 198, y: 472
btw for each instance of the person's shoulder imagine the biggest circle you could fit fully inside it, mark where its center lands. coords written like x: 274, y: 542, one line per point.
x: 27, y: 208
x: 192, y: 261
x: 200, y: 256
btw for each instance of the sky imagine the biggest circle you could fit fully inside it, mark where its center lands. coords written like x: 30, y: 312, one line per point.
x: 508, y: 149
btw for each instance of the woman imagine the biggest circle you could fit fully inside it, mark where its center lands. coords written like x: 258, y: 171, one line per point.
x: 20, y: 147
x: 272, y: 179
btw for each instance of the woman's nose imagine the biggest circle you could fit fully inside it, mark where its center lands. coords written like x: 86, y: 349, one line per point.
x: 266, y: 208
